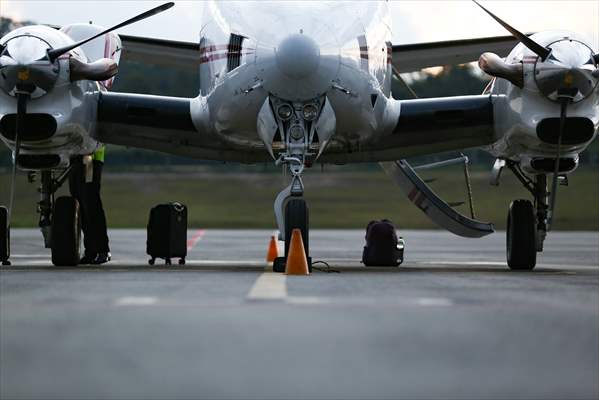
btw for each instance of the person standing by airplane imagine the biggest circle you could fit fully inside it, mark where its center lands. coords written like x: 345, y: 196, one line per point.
x: 85, y: 184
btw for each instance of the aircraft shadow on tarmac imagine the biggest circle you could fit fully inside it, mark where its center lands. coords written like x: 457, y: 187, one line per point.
x: 257, y: 267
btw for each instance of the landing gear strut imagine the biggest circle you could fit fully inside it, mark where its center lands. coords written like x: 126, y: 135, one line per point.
x: 527, y: 222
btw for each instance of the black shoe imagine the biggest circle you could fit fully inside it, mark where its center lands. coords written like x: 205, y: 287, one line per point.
x: 101, y: 258
x: 88, y: 259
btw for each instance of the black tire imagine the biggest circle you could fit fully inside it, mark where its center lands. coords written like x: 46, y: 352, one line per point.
x: 521, y: 243
x: 296, y: 217
x: 4, y: 236
x: 66, y: 232
x: 181, y: 261
x: 151, y: 261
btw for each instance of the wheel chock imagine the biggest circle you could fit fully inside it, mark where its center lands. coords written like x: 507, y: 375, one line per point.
x: 297, y: 263
x: 273, y: 250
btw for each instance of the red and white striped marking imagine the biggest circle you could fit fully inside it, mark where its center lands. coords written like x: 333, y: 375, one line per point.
x: 195, y: 238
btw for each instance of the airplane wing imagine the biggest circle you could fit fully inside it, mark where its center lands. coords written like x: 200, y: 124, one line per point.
x: 426, y: 126
x: 406, y: 57
x: 165, y: 124
x: 161, y: 52
x: 414, y: 57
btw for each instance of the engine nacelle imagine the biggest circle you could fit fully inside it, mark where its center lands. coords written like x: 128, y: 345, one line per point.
x: 527, y: 116
x: 60, y: 115
x: 105, y: 47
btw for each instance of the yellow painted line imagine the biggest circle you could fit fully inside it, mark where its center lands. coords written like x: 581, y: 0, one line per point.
x: 269, y: 286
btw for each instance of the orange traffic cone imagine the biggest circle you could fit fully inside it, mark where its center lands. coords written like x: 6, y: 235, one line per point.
x: 297, y: 263
x: 273, y: 250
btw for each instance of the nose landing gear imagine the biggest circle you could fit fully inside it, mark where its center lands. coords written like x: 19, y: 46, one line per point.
x: 291, y: 212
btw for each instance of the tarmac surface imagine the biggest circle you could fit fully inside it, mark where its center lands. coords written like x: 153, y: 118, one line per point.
x: 451, y: 322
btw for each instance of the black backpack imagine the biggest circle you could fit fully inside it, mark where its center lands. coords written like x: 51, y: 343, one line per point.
x: 382, y: 245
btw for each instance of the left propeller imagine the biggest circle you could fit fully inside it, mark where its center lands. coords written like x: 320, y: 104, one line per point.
x: 53, y: 54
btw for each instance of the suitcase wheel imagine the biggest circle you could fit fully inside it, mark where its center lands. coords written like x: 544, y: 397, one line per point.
x: 182, y: 261
x: 167, y: 261
x: 151, y: 261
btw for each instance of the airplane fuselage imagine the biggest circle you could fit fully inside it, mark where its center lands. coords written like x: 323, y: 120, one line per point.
x: 296, y: 53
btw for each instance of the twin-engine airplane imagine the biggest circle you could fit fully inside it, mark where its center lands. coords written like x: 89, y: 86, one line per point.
x: 299, y: 83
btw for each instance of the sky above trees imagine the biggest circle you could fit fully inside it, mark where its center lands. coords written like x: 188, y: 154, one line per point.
x: 413, y: 21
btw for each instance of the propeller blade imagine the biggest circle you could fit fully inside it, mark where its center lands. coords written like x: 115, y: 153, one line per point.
x: 539, y: 50
x: 562, y: 123
x: 19, y: 124
x: 55, y: 53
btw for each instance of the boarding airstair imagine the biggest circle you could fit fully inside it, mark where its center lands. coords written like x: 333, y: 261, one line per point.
x: 436, y: 209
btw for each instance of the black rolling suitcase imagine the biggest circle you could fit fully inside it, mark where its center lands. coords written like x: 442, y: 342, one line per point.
x: 4, y: 237
x: 167, y: 233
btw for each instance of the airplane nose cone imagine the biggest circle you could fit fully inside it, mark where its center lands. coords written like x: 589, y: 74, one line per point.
x: 298, y: 56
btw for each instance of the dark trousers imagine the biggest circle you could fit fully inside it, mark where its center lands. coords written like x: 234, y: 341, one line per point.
x: 95, y: 236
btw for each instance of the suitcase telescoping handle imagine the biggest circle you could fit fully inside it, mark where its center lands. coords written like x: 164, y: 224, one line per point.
x: 178, y: 207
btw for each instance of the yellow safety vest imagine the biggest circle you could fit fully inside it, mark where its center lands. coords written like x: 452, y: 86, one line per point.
x: 99, y: 154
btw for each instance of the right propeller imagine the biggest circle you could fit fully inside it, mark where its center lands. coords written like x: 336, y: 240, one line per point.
x: 536, y: 48
x: 565, y: 72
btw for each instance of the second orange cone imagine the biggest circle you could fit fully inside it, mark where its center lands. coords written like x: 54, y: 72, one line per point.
x: 297, y: 263
x: 273, y: 250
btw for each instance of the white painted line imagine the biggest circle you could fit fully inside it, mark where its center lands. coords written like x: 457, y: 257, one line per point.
x: 434, y: 302
x: 135, y: 301
x: 306, y: 300
x: 229, y: 263
x: 269, y: 286
x: 464, y: 263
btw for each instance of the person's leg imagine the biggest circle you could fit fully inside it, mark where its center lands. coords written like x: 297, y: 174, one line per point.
x: 97, y: 215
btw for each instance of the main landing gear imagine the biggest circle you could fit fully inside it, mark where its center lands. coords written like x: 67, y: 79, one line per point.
x: 59, y: 222
x: 66, y: 232
x: 527, y: 222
